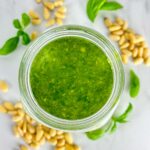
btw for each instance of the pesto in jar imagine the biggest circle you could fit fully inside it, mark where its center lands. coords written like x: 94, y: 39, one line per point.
x: 71, y: 78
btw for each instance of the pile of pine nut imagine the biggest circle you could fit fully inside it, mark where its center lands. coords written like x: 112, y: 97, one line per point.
x: 33, y: 133
x: 53, y: 13
x: 130, y: 43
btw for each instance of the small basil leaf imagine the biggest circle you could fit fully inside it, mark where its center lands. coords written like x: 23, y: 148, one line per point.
x: 9, y: 46
x: 25, y: 20
x: 17, y: 24
x: 114, y: 127
x: 134, y: 84
x: 25, y: 39
x: 96, y: 134
x: 122, y: 118
x: 93, y: 6
x: 111, y: 6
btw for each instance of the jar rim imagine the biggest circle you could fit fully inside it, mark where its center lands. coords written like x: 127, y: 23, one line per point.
x: 30, y: 104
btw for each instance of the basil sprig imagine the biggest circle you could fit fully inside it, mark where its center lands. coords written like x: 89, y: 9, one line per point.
x: 94, y: 6
x: 111, y: 126
x: 11, y: 44
x: 134, y: 84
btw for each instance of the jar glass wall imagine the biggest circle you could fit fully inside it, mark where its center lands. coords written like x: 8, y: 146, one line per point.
x: 92, y: 122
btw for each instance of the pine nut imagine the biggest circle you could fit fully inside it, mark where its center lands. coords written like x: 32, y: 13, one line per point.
x: 68, y: 138
x: 59, y: 132
x: 124, y: 45
x: 62, y: 9
x: 124, y: 59
x: 58, y: 3
x: 131, y: 47
x: 28, y: 136
x: 59, y: 21
x: 8, y: 105
x: 118, y: 32
x: 17, y: 118
x: 39, y: 134
x: 145, y: 52
x: 114, y: 28
x: 36, y: 21
x: 140, y: 52
x: 3, y: 86
x: 18, y: 105
x: 15, y: 131
x: 34, y: 35
x: 125, y: 25
x: 34, y: 145
x: 59, y: 15
x: 138, y: 61
x: 119, y: 21
x: 20, y: 131
x: 33, y: 14
x: 135, y: 53
x: 107, y: 22
x: 114, y: 37
x: 38, y: 1
x: 46, y: 13
x: 126, y: 52
x: 122, y: 40
x: 3, y: 109
x: 49, y: 5
x: 76, y: 147
x: 13, y: 112
x: 24, y: 127
x: 147, y: 61
x: 139, y: 39
x: 31, y: 129
x: 22, y: 147
x: 52, y: 132
x: 69, y: 147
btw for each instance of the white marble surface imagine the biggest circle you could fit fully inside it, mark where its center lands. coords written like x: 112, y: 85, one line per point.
x: 134, y: 135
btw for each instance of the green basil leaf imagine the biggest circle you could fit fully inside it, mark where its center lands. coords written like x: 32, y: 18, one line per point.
x: 96, y: 134
x: 93, y: 6
x: 111, y: 6
x: 114, y: 127
x: 9, y: 46
x: 122, y: 118
x: 25, y: 39
x: 134, y: 84
x: 17, y: 24
x: 25, y: 20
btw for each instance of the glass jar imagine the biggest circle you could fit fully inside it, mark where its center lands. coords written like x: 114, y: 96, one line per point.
x: 92, y: 122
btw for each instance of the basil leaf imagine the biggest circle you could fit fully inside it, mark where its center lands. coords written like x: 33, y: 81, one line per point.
x: 25, y: 39
x: 96, y: 134
x: 25, y: 20
x: 122, y: 118
x: 93, y: 6
x: 17, y: 24
x: 9, y: 46
x: 114, y: 127
x: 134, y: 84
x: 111, y: 6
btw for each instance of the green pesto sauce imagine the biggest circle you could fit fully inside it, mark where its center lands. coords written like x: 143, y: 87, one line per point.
x: 71, y: 78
